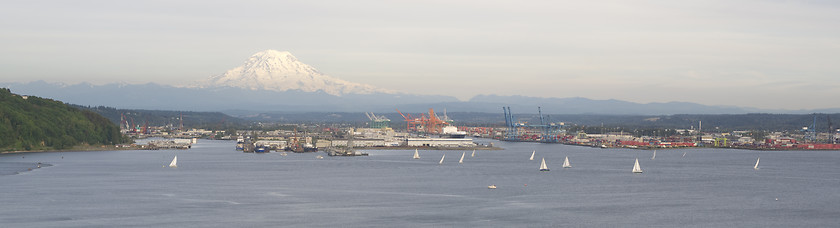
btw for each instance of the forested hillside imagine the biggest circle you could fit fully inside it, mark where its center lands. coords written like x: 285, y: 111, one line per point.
x: 34, y: 123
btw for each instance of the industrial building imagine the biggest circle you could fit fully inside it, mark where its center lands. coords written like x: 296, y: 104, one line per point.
x: 365, y: 142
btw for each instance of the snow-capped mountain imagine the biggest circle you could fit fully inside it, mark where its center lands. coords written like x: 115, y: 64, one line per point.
x: 280, y: 71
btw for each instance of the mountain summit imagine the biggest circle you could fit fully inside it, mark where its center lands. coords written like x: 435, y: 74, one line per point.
x: 281, y: 71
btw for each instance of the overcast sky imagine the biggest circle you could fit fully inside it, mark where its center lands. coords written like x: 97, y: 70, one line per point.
x: 765, y: 54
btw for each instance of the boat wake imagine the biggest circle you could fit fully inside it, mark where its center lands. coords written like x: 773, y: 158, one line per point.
x: 278, y: 194
x: 13, y: 168
x: 211, y: 201
x: 202, y: 200
x: 374, y: 192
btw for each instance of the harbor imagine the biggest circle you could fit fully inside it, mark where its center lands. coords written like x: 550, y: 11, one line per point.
x: 439, y: 134
x: 548, y: 131
x: 181, y: 144
x: 431, y: 131
x: 703, y: 188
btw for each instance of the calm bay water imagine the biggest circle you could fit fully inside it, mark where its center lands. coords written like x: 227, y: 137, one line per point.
x: 215, y: 186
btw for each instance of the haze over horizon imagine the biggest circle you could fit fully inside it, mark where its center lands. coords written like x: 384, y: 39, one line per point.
x: 763, y: 54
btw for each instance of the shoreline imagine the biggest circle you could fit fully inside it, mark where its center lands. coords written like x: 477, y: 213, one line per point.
x: 676, y: 148
x: 426, y: 148
x: 76, y: 149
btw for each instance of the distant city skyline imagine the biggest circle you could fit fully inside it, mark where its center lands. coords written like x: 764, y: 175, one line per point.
x: 763, y: 54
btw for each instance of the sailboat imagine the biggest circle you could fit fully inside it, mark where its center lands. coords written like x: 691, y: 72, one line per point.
x: 174, y: 163
x: 416, y: 154
x: 462, y: 157
x: 654, y: 155
x: 543, y: 167
x: 532, y: 155
x: 636, y: 167
x: 756, y: 163
x: 473, y: 154
x: 441, y: 159
x: 566, y: 163
x: 684, y: 153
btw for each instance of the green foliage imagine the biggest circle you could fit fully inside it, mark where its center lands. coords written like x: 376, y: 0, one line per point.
x: 36, y: 123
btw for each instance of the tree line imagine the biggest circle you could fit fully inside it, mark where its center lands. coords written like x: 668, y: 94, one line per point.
x: 34, y: 123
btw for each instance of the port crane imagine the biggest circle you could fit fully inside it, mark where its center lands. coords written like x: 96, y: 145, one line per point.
x: 410, y: 123
x: 145, y: 127
x: 831, y: 131
x: 181, y: 123
x: 548, y: 130
x: 427, y: 122
x: 377, y: 121
x: 123, y: 122
x: 374, y: 117
x: 510, y: 124
x: 434, y: 124
x: 811, y: 131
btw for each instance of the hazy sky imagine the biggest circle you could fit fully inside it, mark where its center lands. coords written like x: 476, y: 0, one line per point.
x: 766, y: 54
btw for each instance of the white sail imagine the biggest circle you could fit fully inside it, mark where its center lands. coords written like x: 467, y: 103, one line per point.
x: 462, y: 157
x: 174, y: 163
x: 566, y: 163
x: 756, y: 163
x: 532, y: 155
x: 441, y: 159
x: 416, y: 154
x: 684, y: 153
x: 543, y: 167
x: 654, y: 155
x: 636, y: 167
x: 473, y: 154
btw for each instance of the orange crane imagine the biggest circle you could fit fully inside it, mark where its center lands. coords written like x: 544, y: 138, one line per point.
x: 434, y: 124
x: 410, y: 124
x: 133, y: 127
x: 428, y: 123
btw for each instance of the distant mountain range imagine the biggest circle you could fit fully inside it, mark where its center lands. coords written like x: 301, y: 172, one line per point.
x: 274, y: 81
